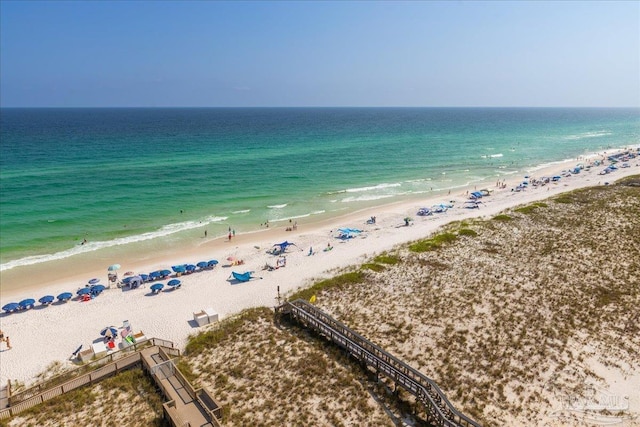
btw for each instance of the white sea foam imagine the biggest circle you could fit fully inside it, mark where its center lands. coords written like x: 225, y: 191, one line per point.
x: 365, y: 198
x: 242, y: 211
x: 491, y: 156
x: 277, y: 206
x: 584, y: 135
x: 94, y: 246
x: 369, y: 188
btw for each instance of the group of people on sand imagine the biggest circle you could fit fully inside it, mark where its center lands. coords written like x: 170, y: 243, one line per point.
x: 5, y: 339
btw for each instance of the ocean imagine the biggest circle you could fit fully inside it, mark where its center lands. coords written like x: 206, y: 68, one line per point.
x: 118, y: 177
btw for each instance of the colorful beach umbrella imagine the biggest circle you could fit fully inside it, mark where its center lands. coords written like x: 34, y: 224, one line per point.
x: 11, y: 307
x: 113, y: 267
x: 109, y: 331
x: 47, y: 299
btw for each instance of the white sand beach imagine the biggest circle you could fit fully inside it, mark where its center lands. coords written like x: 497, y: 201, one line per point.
x: 43, y: 335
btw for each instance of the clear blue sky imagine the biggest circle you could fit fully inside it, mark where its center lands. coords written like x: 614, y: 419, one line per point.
x: 199, y: 53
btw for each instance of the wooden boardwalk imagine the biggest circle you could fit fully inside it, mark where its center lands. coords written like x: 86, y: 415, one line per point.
x: 439, y: 410
x: 184, y: 406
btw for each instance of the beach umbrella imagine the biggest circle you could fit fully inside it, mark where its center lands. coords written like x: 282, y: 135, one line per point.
x: 65, y: 296
x: 213, y: 263
x: 113, y: 267
x: 93, y: 281
x: 202, y: 264
x: 164, y: 273
x: 47, y: 299
x: 231, y: 258
x: 97, y: 289
x: 155, y: 274
x: 175, y: 283
x: 126, y: 280
x: 179, y: 268
x: 157, y: 287
x: 109, y: 331
x: 27, y: 303
x: 83, y: 291
x: 190, y: 267
x: 12, y: 306
x: 144, y: 277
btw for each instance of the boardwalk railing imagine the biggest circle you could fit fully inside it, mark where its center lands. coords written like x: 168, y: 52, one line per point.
x: 89, y: 373
x: 424, y: 389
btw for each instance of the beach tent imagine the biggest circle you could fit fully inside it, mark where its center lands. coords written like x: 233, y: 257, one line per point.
x: 424, y: 212
x: 348, y: 233
x: 243, y: 277
x: 284, y: 245
x: 476, y: 195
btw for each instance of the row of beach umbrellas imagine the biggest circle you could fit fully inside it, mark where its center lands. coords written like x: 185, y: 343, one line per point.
x: 93, y: 288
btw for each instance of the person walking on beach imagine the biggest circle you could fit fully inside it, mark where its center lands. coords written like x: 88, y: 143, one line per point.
x: 205, y: 233
x: 229, y: 236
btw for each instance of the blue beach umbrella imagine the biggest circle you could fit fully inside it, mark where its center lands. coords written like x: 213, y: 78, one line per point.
x: 213, y: 263
x: 179, y: 268
x: 83, y: 291
x: 65, y: 296
x: 11, y: 307
x: 26, y: 303
x: 47, y: 299
x: 93, y: 281
x: 190, y: 267
x: 175, y: 283
x: 156, y: 287
x: 165, y: 273
x: 155, y: 274
x: 97, y: 289
x: 202, y: 264
x: 144, y: 277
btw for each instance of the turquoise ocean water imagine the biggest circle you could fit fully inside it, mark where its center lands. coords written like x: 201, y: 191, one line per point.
x: 119, y: 176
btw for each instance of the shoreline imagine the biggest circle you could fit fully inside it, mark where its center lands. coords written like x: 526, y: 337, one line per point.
x: 149, y: 255
x: 63, y: 327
